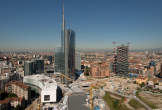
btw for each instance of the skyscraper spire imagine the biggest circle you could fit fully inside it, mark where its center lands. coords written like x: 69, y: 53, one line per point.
x: 63, y: 26
x: 63, y: 18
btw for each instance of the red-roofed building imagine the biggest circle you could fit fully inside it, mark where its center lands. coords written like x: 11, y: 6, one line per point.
x: 13, y: 101
x: 18, y: 88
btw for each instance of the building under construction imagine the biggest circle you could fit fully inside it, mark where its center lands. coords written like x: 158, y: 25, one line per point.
x: 120, y: 64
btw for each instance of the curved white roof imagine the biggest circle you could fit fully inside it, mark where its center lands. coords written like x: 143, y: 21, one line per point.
x: 41, y: 81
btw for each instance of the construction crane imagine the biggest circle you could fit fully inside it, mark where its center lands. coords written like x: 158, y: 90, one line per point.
x: 97, y: 85
x: 66, y: 77
x: 62, y: 76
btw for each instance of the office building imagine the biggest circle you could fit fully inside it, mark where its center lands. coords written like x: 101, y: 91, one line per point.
x: 69, y: 52
x: 39, y: 66
x: 121, y: 60
x: 59, y: 51
x: 77, y: 61
x: 65, y: 56
x: 59, y: 60
x: 28, y: 68
x: 33, y: 67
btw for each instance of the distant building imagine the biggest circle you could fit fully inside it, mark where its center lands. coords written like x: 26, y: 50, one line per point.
x: 33, y: 67
x: 28, y: 68
x: 18, y: 88
x: 77, y: 62
x: 121, y: 60
x: 50, y: 59
x: 39, y: 66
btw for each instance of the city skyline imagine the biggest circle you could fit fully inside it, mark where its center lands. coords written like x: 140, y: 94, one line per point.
x: 37, y: 24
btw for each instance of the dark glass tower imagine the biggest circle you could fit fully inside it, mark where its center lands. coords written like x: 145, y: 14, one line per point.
x: 69, y: 52
x: 39, y: 66
x: 28, y: 68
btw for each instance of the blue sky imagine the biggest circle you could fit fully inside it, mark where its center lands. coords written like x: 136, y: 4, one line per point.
x: 97, y: 23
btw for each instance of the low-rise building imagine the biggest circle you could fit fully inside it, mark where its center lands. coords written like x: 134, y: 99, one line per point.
x: 8, y: 102
x: 141, y: 79
x: 153, y: 81
x: 49, y: 90
x: 18, y: 88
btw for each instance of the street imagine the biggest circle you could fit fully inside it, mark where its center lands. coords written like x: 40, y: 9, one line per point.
x: 77, y: 102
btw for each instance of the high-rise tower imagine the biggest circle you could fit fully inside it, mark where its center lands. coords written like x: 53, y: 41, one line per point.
x: 59, y: 51
x: 69, y: 52
x: 65, y: 56
x: 121, y: 60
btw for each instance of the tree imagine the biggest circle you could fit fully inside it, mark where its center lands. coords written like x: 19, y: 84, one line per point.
x: 12, y: 95
x: 142, y: 84
x: 87, y: 71
x: 116, y: 103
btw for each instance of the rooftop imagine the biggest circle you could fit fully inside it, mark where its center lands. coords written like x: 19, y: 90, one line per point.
x: 41, y: 81
x: 18, y: 83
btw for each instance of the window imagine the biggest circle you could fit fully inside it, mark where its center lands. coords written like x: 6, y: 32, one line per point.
x: 46, y: 97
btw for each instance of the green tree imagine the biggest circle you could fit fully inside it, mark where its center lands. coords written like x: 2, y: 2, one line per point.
x: 87, y: 71
x: 116, y: 103
x: 12, y: 95
x: 142, y: 84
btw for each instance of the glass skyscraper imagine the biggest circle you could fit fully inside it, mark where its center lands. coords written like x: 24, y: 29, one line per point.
x: 65, y: 55
x: 59, y: 60
x: 70, y: 52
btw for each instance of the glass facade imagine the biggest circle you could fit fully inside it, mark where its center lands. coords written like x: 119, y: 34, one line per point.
x: 65, y: 55
x: 59, y: 60
x: 70, y: 55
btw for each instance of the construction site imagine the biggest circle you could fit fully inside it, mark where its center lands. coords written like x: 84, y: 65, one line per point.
x: 82, y: 93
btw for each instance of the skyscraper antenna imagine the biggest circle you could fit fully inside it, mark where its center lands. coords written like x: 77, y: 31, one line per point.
x: 63, y: 17
x: 63, y: 26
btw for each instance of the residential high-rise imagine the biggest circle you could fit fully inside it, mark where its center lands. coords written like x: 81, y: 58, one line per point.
x: 18, y: 88
x: 121, y: 60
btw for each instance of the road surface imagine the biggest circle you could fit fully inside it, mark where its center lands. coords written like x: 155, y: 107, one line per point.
x: 77, y: 101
